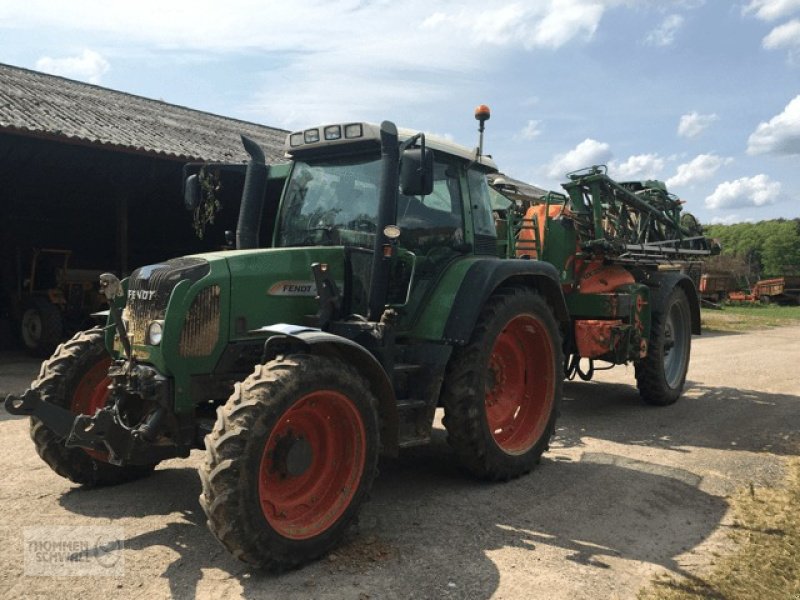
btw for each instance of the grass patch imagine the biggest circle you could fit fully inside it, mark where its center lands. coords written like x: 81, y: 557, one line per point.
x: 746, y: 318
x: 766, y: 563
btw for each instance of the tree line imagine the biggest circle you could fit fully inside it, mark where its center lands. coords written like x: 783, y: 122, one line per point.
x: 757, y: 250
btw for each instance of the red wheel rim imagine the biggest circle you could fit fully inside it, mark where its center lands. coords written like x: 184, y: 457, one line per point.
x: 520, y: 389
x: 312, y: 464
x: 91, y: 395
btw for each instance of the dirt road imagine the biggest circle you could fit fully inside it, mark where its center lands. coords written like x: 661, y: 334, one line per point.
x: 625, y: 492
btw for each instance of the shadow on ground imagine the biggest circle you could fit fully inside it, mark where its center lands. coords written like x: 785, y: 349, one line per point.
x: 430, y: 531
x: 723, y: 418
x: 428, y: 528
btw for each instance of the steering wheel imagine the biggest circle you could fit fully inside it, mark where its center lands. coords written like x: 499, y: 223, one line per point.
x: 363, y: 224
x: 325, y: 222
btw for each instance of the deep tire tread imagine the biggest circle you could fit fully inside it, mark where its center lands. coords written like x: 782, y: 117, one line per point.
x: 225, y: 497
x: 463, y: 397
x: 54, y: 383
x: 650, y: 378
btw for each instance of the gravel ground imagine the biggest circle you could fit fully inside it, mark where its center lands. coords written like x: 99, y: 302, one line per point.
x: 627, y: 491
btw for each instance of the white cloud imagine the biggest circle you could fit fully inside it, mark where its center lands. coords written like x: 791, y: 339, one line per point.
x: 638, y: 166
x: 586, y: 154
x: 533, y: 25
x: 727, y: 220
x: 333, y: 59
x: 565, y: 20
x: 665, y: 33
x: 759, y: 190
x: 780, y: 135
x: 531, y: 130
x: 783, y: 36
x: 87, y: 66
x: 248, y: 24
x: 693, y: 124
x: 365, y: 55
x: 701, y: 168
x: 770, y: 10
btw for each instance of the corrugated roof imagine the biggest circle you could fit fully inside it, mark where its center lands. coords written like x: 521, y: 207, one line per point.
x: 55, y: 107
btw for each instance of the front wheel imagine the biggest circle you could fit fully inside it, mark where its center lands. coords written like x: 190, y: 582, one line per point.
x: 290, y: 460
x: 76, y: 377
x: 502, y: 390
x: 661, y: 375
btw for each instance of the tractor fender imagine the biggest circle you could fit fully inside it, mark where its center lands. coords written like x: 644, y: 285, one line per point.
x: 486, y: 276
x: 661, y: 285
x: 289, y: 339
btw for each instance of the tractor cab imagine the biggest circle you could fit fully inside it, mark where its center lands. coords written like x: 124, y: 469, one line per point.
x: 417, y: 213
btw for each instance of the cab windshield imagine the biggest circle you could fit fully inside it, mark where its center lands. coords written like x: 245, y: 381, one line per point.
x: 333, y: 202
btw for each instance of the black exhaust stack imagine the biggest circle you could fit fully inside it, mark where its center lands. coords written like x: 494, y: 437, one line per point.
x: 255, y: 187
x: 387, y: 209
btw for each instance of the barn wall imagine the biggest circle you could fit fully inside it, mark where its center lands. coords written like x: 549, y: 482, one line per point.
x: 85, y: 198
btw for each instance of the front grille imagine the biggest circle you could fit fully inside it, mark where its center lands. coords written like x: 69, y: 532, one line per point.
x: 149, y: 290
x: 201, y: 328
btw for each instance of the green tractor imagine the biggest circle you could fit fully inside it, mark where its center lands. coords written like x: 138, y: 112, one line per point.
x: 394, y: 281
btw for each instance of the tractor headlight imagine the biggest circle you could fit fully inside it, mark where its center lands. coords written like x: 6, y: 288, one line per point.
x: 353, y: 130
x: 155, y: 332
x: 333, y: 132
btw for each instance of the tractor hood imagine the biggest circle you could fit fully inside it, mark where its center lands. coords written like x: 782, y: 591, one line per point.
x: 276, y: 285
x: 206, y: 301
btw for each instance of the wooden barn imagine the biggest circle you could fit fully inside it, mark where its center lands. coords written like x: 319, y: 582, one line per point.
x: 91, y: 181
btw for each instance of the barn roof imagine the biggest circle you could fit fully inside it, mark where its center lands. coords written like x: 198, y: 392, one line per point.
x: 33, y: 103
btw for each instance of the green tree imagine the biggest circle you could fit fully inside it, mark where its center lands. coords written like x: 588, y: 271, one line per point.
x: 781, y: 250
x: 768, y: 248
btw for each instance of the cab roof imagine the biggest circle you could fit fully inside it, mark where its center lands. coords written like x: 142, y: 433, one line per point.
x: 335, y: 135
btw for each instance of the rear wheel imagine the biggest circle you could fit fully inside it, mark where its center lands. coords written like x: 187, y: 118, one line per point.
x: 290, y: 460
x: 661, y: 375
x: 41, y: 327
x: 502, y: 390
x: 76, y: 377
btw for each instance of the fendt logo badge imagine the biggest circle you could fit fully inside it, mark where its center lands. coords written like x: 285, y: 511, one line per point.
x: 141, y: 294
x: 293, y: 288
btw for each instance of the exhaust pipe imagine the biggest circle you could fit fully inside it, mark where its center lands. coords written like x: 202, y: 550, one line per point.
x: 255, y: 187
x: 387, y: 209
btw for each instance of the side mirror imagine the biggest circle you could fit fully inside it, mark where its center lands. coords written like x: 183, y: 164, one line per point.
x: 191, y: 192
x: 416, y: 172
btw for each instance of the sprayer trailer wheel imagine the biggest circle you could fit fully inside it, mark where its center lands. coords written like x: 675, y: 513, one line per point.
x: 661, y: 375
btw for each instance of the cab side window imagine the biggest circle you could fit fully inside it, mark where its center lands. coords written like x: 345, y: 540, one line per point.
x: 480, y: 200
x: 436, y: 219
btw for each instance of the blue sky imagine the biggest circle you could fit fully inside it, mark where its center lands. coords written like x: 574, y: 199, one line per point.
x: 702, y: 94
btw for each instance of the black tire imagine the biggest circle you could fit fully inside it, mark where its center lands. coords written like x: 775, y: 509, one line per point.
x: 765, y: 300
x: 263, y: 433
x: 502, y: 390
x: 41, y: 327
x: 661, y: 375
x: 66, y: 380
